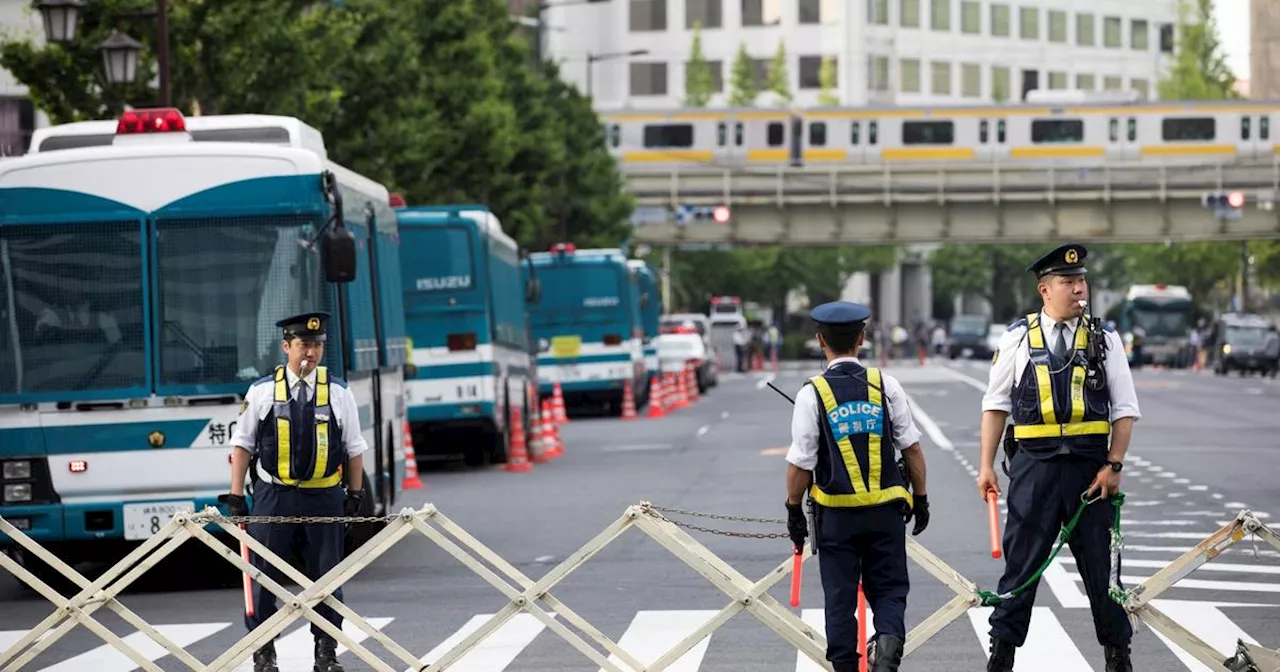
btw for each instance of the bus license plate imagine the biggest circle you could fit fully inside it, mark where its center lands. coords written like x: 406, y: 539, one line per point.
x: 142, y: 521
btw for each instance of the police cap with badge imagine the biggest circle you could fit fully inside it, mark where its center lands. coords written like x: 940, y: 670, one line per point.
x: 1065, y: 260
x: 843, y: 315
x: 307, y: 326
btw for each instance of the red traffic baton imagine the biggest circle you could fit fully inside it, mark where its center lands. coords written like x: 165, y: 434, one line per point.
x: 993, y: 522
x: 797, y: 566
x: 248, y: 583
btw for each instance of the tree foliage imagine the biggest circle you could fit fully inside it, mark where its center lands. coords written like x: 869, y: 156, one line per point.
x: 778, y: 81
x: 827, y: 83
x: 698, y: 83
x: 1199, y: 69
x: 742, y: 82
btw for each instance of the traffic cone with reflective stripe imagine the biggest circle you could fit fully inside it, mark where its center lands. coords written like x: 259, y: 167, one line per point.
x: 692, y: 375
x: 550, y: 432
x: 518, y: 460
x: 628, y: 402
x: 411, y: 480
x: 539, y: 447
x: 557, y: 405
x: 655, y: 398
x: 682, y: 390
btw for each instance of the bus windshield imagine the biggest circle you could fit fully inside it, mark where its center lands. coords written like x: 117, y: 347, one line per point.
x: 1162, y: 318
x: 441, y: 269
x: 573, y: 294
x: 223, y: 284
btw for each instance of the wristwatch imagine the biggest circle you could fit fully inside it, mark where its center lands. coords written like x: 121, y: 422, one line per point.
x: 1115, y: 465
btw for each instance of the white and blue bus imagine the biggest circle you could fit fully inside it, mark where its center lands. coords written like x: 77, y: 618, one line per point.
x: 144, y: 263
x: 466, y: 305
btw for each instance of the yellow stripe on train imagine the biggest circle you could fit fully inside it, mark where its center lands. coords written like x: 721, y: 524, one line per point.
x: 660, y: 156
x: 932, y: 153
x: 1054, y: 152
x: 1174, y: 150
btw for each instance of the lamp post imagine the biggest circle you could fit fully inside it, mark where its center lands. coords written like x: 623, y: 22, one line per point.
x: 120, y: 52
x: 593, y: 58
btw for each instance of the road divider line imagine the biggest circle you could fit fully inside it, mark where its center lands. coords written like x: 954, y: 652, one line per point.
x: 704, y: 429
x: 930, y: 427
x: 967, y: 380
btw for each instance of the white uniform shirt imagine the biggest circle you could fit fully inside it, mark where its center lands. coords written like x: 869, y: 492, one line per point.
x: 261, y: 398
x: 806, y: 433
x: 1015, y: 352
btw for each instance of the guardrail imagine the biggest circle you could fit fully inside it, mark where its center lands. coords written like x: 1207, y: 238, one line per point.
x: 524, y: 594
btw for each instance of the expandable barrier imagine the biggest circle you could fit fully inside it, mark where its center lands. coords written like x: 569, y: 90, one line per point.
x: 527, y: 595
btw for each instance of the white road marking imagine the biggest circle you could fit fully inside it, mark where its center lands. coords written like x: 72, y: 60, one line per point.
x: 106, y: 658
x: 495, y: 652
x: 703, y: 430
x: 653, y: 633
x: 764, y: 382
x: 1048, y: 647
x: 642, y: 446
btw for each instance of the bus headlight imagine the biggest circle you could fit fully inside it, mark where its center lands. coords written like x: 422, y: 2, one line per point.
x: 17, y: 492
x: 16, y: 470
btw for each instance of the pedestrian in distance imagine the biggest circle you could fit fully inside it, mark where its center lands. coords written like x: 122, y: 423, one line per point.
x: 1063, y: 378
x: 847, y: 427
x: 297, y: 429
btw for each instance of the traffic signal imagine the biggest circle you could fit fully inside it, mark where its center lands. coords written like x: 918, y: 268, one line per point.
x: 1225, y: 204
x: 719, y: 214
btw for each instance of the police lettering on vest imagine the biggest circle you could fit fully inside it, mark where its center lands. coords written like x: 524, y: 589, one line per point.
x: 298, y: 443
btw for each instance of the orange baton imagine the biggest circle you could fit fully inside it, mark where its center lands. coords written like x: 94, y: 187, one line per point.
x: 993, y: 521
x: 248, y: 584
x: 797, y: 564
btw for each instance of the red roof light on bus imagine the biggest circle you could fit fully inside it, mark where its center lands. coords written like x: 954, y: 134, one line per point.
x: 160, y: 120
x: 397, y: 200
x: 568, y: 248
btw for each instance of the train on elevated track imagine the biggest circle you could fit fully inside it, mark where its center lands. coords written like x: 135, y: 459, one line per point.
x: 1068, y: 130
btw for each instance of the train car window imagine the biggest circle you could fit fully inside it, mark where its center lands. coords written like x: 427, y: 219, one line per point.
x: 818, y: 134
x: 928, y: 132
x: 855, y: 130
x: 722, y: 134
x: 873, y: 133
x: 1189, y: 129
x: 615, y: 135
x: 1000, y: 132
x: 737, y: 134
x: 1133, y: 129
x: 668, y: 135
x: 984, y: 132
x: 1056, y: 131
x: 1115, y: 129
x: 1264, y: 127
x: 777, y: 134
x: 1245, y: 123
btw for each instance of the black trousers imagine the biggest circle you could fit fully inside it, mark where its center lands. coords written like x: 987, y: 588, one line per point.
x: 867, y: 545
x: 1043, y: 494
x: 321, y: 543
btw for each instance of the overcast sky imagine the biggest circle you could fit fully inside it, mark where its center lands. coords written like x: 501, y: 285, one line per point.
x: 1233, y: 29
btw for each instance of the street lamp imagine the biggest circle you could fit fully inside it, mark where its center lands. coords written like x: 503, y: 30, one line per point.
x: 120, y: 53
x: 592, y: 58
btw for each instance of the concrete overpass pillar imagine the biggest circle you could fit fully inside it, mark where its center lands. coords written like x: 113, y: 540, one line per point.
x: 917, y: 294
x: 891, y: 296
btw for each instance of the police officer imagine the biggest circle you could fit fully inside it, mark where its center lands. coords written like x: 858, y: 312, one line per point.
x: 847, y: 427
x: 299, y: 427
x: 1072, y: 419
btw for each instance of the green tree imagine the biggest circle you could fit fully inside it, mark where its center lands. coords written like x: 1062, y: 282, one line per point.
x: 827, y: 82
x: 742, y: 83
x: 1199, y: 69
x: 778, y: 80
x: 698, y: 83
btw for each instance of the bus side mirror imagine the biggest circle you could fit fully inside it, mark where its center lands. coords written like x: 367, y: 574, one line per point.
x: 338, y: 254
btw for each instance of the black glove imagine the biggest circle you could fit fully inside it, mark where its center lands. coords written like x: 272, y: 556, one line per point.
x: 236, y: 505
x: 797, y: 526
x: 921, y: 513
x: 351, y: 507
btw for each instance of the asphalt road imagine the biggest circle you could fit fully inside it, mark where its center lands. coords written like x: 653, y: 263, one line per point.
x: 1200, y: 454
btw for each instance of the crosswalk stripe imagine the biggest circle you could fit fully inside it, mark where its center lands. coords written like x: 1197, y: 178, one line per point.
x: 495, y: 652
x: 296, y: 650
x: 106, y: 658
x: 1208, y: 567
x: 653, y: 633
x: 817, y: 618
x: 1205, y: 621
x: 1048, y: 647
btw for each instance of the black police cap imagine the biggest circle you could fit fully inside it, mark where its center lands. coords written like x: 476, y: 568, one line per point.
x: 1065, y: 260
x: 307, y: 326
x: 840, y: 313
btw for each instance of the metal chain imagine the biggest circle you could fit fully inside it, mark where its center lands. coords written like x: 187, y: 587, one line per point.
x: 236, y: 520
x: 740, y: 519
x: 654, y: 511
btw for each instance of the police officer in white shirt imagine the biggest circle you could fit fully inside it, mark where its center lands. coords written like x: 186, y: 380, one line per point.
x: 1072, y: 417
x: 848, y: 426
x: 299, y: 427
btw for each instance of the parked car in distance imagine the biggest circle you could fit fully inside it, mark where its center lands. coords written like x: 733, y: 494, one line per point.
x: 677, y: 351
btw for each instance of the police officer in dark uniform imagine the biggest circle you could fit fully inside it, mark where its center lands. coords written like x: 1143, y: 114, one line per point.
x: 298, y: 427
x: 847, y: 428
x: 1072, y: 420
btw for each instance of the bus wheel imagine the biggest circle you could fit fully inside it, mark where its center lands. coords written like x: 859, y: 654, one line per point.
x: 498, y: 450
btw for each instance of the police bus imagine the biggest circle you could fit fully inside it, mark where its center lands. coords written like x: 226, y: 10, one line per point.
x: 144, y: 263
x: 465, y: 301
x: 650, y: 312
x: 588, y: 327
x: 1165, y: 314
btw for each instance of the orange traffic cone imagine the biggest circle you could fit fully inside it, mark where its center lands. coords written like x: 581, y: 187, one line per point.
x: 682, y: 390
x: 550, y: 431
x: 539, y: 447
x: 557, y: 405
x: 411, y: 480
x: 693, y: 383
x: 655, y: 398
x: 518, y: 460
x: 628, y: 402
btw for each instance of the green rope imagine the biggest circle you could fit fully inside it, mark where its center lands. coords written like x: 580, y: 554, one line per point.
x: 989, y: 598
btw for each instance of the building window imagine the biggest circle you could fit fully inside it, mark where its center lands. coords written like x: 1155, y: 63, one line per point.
x: 1166, y: 38
x: 909, y: 13
x: 970, y: 17
x: 909, y: 75
x: 648, y: 15
x: 648, y: 79
x: 1084, y: 30
x: 941, y: 78
x: 1029, y: 23
x: 810, y: 66
x: 761, y: 12
x: 1000, y: 83
x: 717, y: 74
x: 1000, y: 20
x: 1057, y: 81
x: 817, y: 11
x: 878, y: 12
x: 17, y: 123
x: 878, y: 73
x: 1112, y: 83
x: 1057, y: 26
x: 1139, y: 33
x: 1111, y: 32
x: 971, y: 80
x: 1086, y: 82
x: 940, y: 15
x: 710, y: 13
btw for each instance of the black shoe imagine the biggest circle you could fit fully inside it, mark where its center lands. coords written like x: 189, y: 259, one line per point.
x: 264, y: 659
x: 327, y: 656
x: 1118, y: 658
x: 889, y: 651
x: 1001, y: 656
x: 844, y: 666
